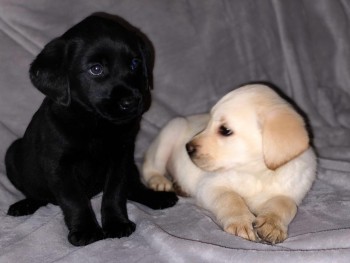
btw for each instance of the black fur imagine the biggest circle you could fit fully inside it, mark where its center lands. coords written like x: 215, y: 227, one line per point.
x: 81, y: 140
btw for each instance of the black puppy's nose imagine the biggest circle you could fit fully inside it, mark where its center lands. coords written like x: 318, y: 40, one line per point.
x: 128, y: 103
x: 190, y: 148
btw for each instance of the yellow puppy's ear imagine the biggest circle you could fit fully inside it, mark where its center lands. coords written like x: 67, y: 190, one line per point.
x: 284, y: 136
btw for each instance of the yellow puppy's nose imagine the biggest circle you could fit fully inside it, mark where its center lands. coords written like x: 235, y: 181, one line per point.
x: 191, y: 148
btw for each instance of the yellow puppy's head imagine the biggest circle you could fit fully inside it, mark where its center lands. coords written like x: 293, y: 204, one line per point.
x: 251, y: 127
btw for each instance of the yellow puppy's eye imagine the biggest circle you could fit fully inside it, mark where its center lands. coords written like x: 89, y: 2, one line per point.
x: 224, y: 131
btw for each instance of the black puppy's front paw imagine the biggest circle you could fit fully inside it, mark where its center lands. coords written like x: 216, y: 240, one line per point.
x: 161, y: 200
x: 83, y: 237
x: 118, y: 229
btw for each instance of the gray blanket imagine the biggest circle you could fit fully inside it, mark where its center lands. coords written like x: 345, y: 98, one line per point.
x: 204, y: 49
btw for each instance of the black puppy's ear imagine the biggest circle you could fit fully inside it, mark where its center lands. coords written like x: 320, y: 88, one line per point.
x: 147, y: 52
x: 48, y: 72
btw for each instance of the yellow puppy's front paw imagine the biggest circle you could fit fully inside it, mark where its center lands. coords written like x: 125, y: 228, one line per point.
x: 270, y: 228
x: 242, y: 228
x: 160, y: 183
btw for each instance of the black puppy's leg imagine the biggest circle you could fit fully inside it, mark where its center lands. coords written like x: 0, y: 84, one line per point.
x: 138, y: 192
x: 78, y: 214
x: 115, y: 221
x: 13, y: 163
x: 25, y: 207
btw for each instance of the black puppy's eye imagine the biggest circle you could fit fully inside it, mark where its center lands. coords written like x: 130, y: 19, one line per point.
x: 135, y: 62
x: 96, y: 70
x: 224, y: 131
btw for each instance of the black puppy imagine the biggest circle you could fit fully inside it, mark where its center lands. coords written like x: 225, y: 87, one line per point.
x: 80, y: 142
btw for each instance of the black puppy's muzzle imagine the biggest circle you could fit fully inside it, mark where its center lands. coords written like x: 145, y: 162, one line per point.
x: 122, y: 104
x: 130, y: 103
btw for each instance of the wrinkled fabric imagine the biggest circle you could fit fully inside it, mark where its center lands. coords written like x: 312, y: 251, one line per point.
x: 204, y: 49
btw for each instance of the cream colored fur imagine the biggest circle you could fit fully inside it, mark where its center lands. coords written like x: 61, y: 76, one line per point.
x: 253, y: 178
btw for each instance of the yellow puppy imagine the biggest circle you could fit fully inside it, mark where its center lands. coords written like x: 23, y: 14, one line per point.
x: 249, y: 162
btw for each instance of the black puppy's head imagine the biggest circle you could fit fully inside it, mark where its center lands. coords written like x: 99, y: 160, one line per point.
x: 102, y: 64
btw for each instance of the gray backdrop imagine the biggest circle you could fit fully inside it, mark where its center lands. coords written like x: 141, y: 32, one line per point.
x: 204, y: 49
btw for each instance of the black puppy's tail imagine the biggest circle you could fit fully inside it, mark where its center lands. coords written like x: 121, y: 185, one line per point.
x: 138, y: 192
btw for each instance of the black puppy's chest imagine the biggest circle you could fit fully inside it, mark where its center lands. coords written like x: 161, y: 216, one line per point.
x: 97, y: 152
x: 91, y: 163
x: 105, y: 141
